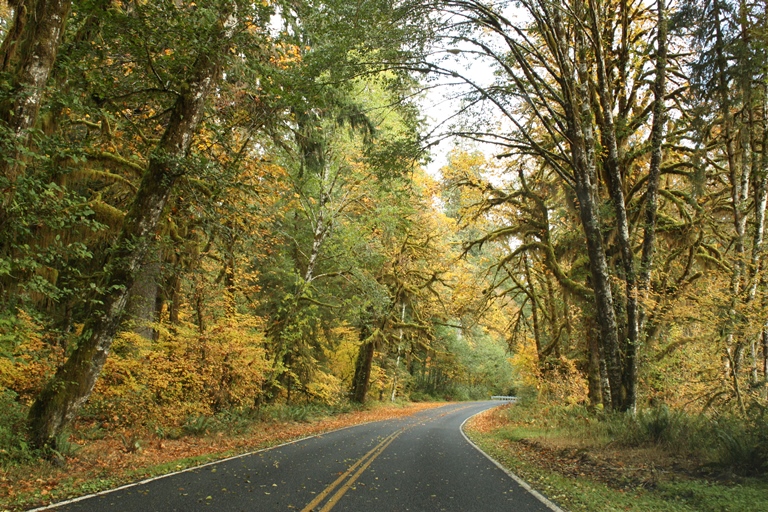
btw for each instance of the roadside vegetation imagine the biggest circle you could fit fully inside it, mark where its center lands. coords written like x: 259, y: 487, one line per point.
x: 658, y: 460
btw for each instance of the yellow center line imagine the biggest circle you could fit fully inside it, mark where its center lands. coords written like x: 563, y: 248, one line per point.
x: 344, y: 488
x: 362, y: 464
x: 372, y: 454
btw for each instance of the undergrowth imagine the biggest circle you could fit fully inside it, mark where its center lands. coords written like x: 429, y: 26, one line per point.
x: 715, y: 463
x: 727, y: 442
x: 13, y: 433
x: 15, y: 449
x: 240, y: 420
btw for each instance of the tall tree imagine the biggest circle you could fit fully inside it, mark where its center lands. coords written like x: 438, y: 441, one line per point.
x: 27, y: 58
x: 65, y: 393
x: 570, y: 86
x: 728, y: 79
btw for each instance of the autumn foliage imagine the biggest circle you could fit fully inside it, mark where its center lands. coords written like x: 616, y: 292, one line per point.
x: 221, y: 208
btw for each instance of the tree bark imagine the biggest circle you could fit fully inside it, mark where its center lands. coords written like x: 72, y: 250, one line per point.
x: 657, y: 137
x: 582, y: 143
x: 28, y: 54
x: 593, y: 370
x: 142, y: 307
x: 60, y: 400
x: 616, y: 188
x: 363, y: 366
x: 173, y: 296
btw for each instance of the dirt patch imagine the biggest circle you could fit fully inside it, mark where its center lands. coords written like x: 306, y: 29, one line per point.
x: 119, y: 459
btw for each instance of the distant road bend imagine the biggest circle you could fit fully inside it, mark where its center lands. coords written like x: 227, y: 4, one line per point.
x: 418, y: 463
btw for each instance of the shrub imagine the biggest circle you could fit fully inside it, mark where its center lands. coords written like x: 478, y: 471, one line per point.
x: 741, y: 446
x: 729, y: 442
x: 27, y: 360
x: 199, y: 425
x: 13, y: 439
x: 183, y: 375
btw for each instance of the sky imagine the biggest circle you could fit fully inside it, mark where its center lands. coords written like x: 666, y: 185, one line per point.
x: 442, y: 100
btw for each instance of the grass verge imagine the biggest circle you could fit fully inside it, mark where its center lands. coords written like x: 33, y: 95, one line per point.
x: 595, y: 473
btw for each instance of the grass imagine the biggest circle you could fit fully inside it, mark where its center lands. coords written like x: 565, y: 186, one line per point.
x: 576, y: 494
x: 659, y: 461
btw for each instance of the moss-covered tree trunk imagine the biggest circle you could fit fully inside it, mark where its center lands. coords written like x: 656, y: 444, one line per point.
x: 609, y: 137
x: 582, y: 143
x: 363, y: 366
x: 27, y: 56
x: 58, y: 403
x: 146, y: 301
x: 593, y: 361
x: 657, y: 138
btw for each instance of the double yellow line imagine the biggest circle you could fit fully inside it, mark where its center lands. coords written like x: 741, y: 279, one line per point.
x: 350, y: 475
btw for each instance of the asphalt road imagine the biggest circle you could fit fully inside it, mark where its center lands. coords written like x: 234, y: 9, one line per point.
x: 417, y: 463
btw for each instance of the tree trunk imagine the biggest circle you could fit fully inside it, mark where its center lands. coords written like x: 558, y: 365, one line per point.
x: 363, y: 365
x: 199, y: 299
x: 761, y: 207
x: 582, y: 144
x: 605, y: 385
x: 581, y: 140
x: 58, y: 403
x: 397, y: 361
x: 27, y: 55
x: 230, y: 286
x: 601, y: 284
x: 657, y: 137
x: 173, y: 296
x: 556, y: 327
x: 531, y: 292
x: 739, y: 182
x: 142, y: 307
x: 593, y: 371
x: 764, y: 340
x: 616, y: 188
x: 758, y: 128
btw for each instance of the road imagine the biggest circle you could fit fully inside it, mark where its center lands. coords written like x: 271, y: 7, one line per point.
x: 417, y: 463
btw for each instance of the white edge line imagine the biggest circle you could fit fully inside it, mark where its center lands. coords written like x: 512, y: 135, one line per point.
x: 522, y: 483
x: 192, y: 468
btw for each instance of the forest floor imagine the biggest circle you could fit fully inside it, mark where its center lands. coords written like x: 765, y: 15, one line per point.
x: 116, y: 459
x: 581, y: 476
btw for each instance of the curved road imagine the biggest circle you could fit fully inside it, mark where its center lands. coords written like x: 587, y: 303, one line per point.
x: 417, y: 463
